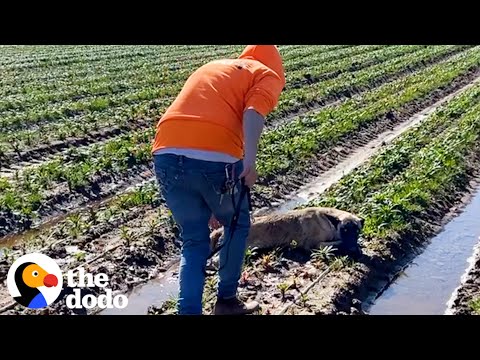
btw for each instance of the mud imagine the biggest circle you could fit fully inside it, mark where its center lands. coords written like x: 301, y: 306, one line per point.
x: 271, y: 278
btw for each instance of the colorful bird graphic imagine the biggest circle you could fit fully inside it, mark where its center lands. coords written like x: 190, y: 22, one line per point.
x: 29, y: 277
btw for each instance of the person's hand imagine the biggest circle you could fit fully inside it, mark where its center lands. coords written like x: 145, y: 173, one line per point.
x: 249, y: 173
x: 214, y: 223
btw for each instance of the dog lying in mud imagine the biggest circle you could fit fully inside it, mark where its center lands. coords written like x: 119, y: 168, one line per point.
x: 311, y: 228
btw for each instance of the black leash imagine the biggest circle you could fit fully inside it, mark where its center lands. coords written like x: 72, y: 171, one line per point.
x: 245, y: 191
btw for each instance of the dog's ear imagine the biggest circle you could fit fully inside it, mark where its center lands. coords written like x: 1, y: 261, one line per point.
x: 333, y: 220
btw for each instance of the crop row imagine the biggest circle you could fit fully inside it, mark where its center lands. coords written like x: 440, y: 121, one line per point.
x: 17, y: 83
x: 80, y: 125
x: 400, y: 184
x: 429, y: 174
x: 101, y: 110
x: 346, y: 84
x: 431, y: 164
x: 94, y: 222
x: 430, y: 77
x: 389, y: 191
x: 33, y: 136
x: 293, y: 144
x: 45, y: 54
x: 82, y: 73
x: 170, y: 80
x: 24, y: 195
x: 49, y: 78
x: 61, y: 56
x: 91, y: 58
x: 321, y: 69
x: 153, y: 72
x: 330, y: 88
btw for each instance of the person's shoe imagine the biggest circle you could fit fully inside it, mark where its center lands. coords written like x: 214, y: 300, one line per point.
x: 234, y: 306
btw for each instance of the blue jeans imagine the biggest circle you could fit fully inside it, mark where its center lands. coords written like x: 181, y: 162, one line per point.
x: 192, y: 191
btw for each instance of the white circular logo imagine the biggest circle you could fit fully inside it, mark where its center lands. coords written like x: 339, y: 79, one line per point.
x: 35, y: 281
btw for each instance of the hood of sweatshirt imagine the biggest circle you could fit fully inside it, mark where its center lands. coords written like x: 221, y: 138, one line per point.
x: 268, y: 55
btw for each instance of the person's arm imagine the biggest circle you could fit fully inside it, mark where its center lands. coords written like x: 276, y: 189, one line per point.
x: 253, y: 124
x: 260, y: 100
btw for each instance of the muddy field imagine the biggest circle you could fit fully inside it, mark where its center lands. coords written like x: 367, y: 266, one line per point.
x: 292, y: 281
x: 115, y: 223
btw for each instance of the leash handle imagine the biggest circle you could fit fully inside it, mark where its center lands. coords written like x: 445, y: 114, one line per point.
x: 245, y: 190
x: 249, y: 198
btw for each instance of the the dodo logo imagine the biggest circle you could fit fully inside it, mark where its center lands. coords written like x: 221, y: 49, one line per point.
x: 35, y: 281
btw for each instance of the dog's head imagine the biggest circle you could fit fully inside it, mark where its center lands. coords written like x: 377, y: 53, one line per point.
x: 348, y: 231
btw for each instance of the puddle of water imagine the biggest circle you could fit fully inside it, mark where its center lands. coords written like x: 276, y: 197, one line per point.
x: 427, y: 284
x: 155, y: 292
x: 9, y: 240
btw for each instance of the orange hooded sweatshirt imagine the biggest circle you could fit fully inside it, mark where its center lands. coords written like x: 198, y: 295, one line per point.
x: 208, y: 112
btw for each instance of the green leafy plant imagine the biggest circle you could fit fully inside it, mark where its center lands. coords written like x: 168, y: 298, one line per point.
x: 8, y: 255
x: 475, y: 306
x: 341, y: 263
x: 304, y: 299
x: 324, y: 254
x: 283, y: 287
x: 126, y: 234
x: 80, y: 256
x: 250, y: 253
x: 170, y: 306
x: 75, y: 225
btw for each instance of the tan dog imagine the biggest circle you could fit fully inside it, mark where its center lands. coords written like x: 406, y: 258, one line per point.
x: 311, y: 228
